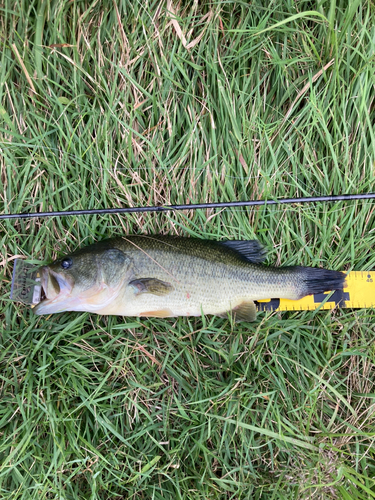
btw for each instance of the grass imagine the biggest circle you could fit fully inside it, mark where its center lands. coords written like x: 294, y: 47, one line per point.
x: 139, y: 103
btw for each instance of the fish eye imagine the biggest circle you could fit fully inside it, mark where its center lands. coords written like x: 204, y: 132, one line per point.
x: 66, y: 263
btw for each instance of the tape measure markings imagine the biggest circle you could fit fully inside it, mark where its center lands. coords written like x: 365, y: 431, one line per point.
x: 358, y: 294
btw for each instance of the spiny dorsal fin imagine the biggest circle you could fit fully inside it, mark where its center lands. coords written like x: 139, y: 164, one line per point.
x: 151, y: 285
x: 250, y: 250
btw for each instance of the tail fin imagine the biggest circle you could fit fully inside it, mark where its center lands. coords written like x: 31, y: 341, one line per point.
x: 316, y: 280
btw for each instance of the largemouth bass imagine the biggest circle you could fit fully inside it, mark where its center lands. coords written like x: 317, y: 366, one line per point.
x: 167, y: 276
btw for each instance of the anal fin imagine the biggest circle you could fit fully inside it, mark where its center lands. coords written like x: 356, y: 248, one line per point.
x: 161, y: 313
x: 246, y: 311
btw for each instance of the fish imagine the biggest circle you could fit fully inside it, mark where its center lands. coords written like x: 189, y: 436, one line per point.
x: 171, y: 276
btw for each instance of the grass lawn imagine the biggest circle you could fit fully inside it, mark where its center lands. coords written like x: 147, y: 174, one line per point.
x: 124, y: 103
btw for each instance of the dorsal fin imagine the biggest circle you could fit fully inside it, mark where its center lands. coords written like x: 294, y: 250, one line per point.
x: 250, y: 250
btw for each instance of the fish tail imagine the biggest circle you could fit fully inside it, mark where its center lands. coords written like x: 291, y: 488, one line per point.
x: 316, y: 280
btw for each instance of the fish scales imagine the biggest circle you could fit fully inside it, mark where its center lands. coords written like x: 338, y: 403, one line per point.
x: 202, y: 280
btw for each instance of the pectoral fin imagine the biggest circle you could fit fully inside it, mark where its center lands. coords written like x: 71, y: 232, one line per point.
x: 246, y: 311
x: 151, y: 285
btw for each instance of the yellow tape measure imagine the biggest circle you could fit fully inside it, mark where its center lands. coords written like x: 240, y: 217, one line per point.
x: 359, y: 293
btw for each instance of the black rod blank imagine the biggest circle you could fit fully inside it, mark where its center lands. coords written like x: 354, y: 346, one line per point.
x: 166, y: 208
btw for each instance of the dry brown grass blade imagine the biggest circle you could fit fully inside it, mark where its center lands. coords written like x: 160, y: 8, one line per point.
x: 122, y: 32
x: 175, y: 23
x: 192, y: 44
x: 301, y: 93
x: 9, y: 259
x: 207, y: 18
x: 28, y: 78
x: 139, y: 347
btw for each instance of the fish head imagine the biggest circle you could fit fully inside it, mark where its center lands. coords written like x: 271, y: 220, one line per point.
x: 86, y: 280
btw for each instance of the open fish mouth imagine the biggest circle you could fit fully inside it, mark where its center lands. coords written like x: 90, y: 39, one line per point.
x: 55, y: 292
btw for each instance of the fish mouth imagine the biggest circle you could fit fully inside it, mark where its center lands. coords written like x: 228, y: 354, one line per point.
x: 55, y: 293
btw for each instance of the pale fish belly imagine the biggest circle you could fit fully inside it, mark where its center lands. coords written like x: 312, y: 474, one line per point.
x: 213, y: 293
x: 190, y: 300
x: 181, y: 302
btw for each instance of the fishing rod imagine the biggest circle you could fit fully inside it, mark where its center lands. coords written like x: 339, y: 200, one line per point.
x: 192, y: 206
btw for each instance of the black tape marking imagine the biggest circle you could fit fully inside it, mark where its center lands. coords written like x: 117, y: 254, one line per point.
x: 339, y: 297
x: 272, y: 305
